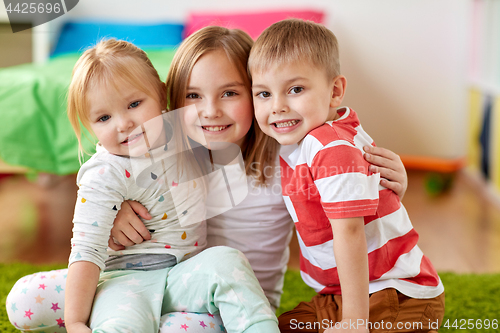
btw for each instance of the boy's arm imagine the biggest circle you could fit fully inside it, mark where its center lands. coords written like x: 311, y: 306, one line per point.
x: 351, y: 256
x: 81, y: 285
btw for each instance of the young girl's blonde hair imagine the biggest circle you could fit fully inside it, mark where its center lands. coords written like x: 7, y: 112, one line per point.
x: 110, y: 62
x: 258, y: 150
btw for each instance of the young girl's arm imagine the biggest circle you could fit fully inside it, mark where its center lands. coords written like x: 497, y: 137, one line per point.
x: 102, y: 187
x: 81, y: 285
x: 349, y: 244
x: 391, y: 168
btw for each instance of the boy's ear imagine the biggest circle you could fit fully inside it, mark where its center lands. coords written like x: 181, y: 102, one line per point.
x: 338, y: 91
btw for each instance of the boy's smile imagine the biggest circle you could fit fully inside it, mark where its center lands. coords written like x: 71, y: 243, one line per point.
x: 285, y: 126
x: 292, y: 99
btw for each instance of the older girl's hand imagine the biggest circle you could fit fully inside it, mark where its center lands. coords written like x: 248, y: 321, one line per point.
x: 392, y: 171
x: 128, y: 229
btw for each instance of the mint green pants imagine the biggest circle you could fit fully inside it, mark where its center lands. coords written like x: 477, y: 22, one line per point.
x: 219, y: 280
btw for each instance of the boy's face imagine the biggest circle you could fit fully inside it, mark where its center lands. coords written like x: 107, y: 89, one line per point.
x: 292, y: 99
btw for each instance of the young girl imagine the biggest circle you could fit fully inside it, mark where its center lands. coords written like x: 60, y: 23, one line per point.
x: 116, y: 93
x: 260, y: 226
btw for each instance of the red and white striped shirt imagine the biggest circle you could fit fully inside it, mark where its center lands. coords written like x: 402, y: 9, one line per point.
x: 326, y: 176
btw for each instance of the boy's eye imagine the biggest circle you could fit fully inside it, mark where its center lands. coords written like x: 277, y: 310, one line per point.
x: 103, y: 118
x: 263, y: 94
x: 296, y: 90
x: 192, y: 96
x: 134, y: 104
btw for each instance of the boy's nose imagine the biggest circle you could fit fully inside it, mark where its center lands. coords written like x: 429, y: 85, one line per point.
x: 279, y: 106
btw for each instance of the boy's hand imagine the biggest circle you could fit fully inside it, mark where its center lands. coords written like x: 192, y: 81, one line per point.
x: 345, y: 326
x: 391, y: 169
x: 128, y: 228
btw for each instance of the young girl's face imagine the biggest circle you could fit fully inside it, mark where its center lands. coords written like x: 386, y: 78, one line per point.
x: 116, y: 116
x: 223, y: 101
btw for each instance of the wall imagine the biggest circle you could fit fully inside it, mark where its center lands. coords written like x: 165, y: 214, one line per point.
x: 405, y: 60
x: 16, y: 48
x: 484, y: 95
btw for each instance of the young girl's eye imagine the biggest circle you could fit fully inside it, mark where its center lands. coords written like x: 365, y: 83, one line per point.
x: 263, y: 94
x: 296, y: 90
x: 103, y: 118
x: 192, y: 96
x: 134, y: 104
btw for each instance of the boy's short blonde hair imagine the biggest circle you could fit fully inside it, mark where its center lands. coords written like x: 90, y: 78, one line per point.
x: 295, y: 40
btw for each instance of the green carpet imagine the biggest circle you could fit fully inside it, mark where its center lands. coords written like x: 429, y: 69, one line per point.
x: 468, y: 297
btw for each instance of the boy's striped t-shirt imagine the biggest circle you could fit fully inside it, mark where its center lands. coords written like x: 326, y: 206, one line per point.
x: 326, y: 176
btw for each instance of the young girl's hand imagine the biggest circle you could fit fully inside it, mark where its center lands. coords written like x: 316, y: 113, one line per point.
x: 390, y: 167
x: 128, y: 229
x: 78, y: 328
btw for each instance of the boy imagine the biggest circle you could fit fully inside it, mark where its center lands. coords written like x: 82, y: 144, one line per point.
x: 358, y: 248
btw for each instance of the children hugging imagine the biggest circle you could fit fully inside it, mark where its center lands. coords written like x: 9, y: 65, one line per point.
x: 242, y: 251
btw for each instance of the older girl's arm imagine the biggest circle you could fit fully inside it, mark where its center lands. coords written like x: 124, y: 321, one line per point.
x: 391, y: 168
x: 128, y: 229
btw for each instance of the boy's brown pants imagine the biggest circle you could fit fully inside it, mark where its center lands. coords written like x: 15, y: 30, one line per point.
x: 390, y: 311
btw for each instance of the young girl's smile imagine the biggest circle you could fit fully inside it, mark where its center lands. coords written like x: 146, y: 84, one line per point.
x: 223, y: 101
x: 116, y: 116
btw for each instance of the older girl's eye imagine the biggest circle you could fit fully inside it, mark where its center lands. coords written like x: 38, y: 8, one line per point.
x: 263, y: 94
x: 229, y: 94
x: 103, y: 118
x: 192, y: 96
x: 134, y: 104
x: 296, y: 90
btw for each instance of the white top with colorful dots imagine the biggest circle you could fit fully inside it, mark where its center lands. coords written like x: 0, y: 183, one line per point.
x: 106, y: 180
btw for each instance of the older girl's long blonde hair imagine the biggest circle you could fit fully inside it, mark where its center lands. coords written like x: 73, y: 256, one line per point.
x: 258, y: 149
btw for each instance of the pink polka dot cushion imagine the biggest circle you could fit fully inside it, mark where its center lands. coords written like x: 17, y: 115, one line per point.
x: 252, y: 23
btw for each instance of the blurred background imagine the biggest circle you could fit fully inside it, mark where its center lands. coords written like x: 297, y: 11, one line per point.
x: 423, y: 75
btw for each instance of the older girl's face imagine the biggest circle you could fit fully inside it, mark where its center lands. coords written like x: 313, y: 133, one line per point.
x: 224, y: 109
